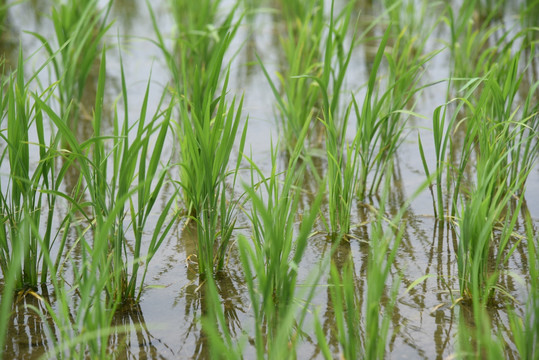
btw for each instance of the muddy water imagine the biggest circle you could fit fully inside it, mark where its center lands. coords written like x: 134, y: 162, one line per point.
x: 424, y: 323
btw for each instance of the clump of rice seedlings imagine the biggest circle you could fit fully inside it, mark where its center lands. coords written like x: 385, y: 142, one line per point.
x: 30, y: 191
x: 271, y: 260
x: 445, y: 120
x: 302, y: 46
x: 342, y: 174
x: 201, y: 44
x: 144, y: 150
x: 207, y: 130
x: 474, y: 47
x: 313, y: 80
x: 79, y: 28
x: 484, y: 209
x: 137, y: 185
x: 518, y: 128
x: 379, y: 119
x: 82, y: 314
x: 206, y: 145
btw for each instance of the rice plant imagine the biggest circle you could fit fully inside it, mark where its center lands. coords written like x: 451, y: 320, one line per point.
x: 379, y: 119
x: 207, y: 130
x: 30, y: 190
x: 302, y: 49
x: 201, y: 44
x: 106, y: 195
x: 488, y: 202
x: 206, y: 145
x: 93, y: 219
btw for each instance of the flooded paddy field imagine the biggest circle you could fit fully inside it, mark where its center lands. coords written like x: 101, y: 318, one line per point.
x: 269, y: 179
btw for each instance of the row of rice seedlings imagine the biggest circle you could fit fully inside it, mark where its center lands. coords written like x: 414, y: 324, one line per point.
x: 207, y: 130
x: 79, y: 28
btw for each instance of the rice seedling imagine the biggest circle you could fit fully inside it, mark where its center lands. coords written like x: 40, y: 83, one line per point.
x: 342, y: 174
x: 79, y: 27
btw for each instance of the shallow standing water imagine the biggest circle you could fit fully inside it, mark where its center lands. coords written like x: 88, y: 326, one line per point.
x: 424, y: 323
